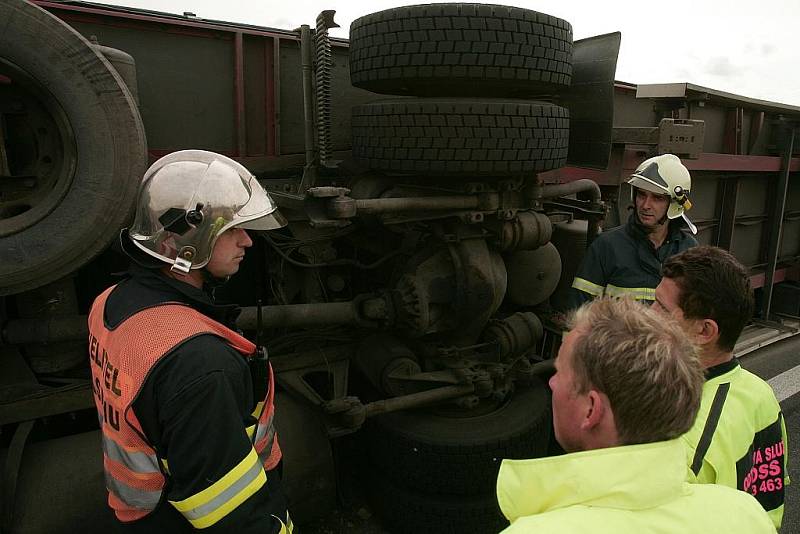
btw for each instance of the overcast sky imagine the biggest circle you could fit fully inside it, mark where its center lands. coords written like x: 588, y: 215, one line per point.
x: 745, y: 47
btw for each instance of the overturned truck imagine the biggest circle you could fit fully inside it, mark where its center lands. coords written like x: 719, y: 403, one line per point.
x: 442, y: 173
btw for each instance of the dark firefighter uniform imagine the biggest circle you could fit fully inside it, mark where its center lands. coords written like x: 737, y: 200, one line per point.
x: 624, y: 262
x: 739, y: 437
x: 186, y: 445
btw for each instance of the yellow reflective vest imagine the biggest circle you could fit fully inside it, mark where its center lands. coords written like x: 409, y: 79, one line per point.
x: 739, y: 437
x: 636, y: 488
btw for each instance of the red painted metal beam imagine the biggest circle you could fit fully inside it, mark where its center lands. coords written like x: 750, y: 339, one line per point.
x: 622, y: 163
x: 165, y: 20
x: 719, y: 162
x: 610, y: 176
x: 787, y: 273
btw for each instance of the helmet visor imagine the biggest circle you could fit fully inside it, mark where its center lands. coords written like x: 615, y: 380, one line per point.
x: 647, y: 184
x: 260, y: 212
x: 270, y: 221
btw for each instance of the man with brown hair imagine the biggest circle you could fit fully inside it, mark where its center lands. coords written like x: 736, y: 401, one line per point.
x: 627, y: 386
x: 626, y: 260
x: 739, y: 437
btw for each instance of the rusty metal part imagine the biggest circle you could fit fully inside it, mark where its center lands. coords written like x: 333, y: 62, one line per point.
x: 416, y: 400
x: 452, y: 288
x: 682, y: 137
x: 381, y: 357
x: 327, y: 191
x: 388, y: 205
x: 542, y: 369
x: 527, y: 231
x: 303, y: 381
x: 403, y: 203
x: 515, y: 335
x: 481, y: 286
x: 364, y: 310
x: 446, y: 376
x: 300, y: 315
x: 533, y: 275
x: 324, y: 62
x: 341, y: 207
x: 54, y: 401
x: 571, y: 188
x: 306, y: 61
x: 569, y: 238
x: 538, y: 192
x: 345, y: 207
x: 357, y: 413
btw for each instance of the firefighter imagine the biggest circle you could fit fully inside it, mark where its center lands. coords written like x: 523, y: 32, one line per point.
x: 739, y: 437
x: 627, y: 385
x: 627, y: 260
x: 188, y: 435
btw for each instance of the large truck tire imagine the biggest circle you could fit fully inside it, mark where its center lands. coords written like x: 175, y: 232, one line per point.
x: 460, y: 137
x: 461, y: 50
x: 74, y: 151
x: 459, y: 455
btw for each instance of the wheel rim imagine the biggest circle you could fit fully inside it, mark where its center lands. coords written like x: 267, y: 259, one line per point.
x: 38, y: 163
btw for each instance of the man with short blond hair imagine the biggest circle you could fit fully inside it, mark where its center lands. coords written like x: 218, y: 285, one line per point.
x: 739, y: 437
x: 633, y: 364
x: 627, y: 386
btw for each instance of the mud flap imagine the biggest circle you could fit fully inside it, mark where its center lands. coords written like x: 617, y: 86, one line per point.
x: 590, y: 100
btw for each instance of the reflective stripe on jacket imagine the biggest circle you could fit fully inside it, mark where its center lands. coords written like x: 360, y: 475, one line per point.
x: 120, y: 361
x: 637, y: 489
x: 623, y: 262
x: 739, y: 437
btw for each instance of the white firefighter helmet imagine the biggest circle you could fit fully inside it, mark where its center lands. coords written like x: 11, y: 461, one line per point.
x: 188, y: 198
x: 666, y: 175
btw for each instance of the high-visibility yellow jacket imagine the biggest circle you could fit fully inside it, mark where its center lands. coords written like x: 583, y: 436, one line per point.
x: 637, y: 488
x: 739, y: 437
